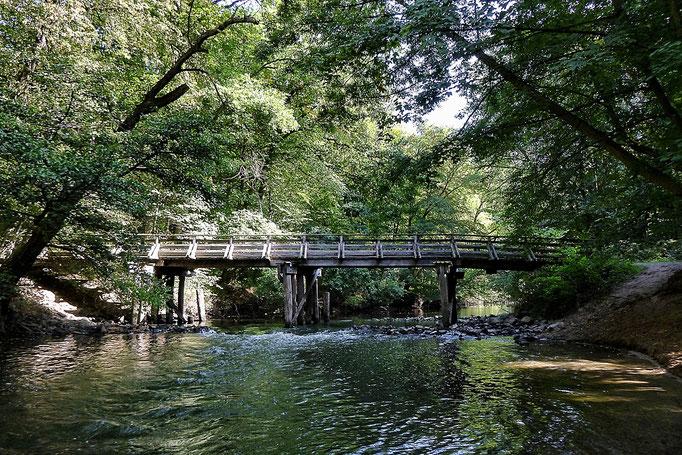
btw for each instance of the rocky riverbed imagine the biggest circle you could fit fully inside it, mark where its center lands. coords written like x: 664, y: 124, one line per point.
x: 85, y: 326
x: 523, y: 330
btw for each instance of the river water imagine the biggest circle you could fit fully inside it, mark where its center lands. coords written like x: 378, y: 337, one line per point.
x: 265, y: 390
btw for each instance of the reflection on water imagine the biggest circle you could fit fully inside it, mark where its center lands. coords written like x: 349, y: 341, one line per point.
x: 260, y: 390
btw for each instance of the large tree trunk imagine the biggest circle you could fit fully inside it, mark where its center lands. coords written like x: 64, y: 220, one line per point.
x: 21, y: 261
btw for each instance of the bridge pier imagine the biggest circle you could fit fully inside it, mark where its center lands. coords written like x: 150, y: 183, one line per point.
x: 301, y: 294
x: 312, y: 307
x: 171, y: 273
x: 325, y: 307
x: 447, y: 280
x: 170, y: 284
x: 181, y: 299
x: 288, y: 276
x: 300, y: 297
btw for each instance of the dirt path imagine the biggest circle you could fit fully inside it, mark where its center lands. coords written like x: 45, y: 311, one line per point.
x: 643, y: 314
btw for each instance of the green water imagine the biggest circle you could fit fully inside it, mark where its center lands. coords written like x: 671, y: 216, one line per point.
x: 262, y: 390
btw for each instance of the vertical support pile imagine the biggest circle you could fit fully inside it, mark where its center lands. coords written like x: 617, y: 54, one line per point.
x: 311, y: 302
x: 300, y: 296
x: 447, y: 280
x: 288, y: 274
x: 325, y: 307
x: 181, y: 299
x: 315, y: 297
x: 201, y: 305
x: 170, y: 283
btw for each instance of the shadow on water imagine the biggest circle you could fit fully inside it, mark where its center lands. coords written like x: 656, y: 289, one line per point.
x: 259, y: 389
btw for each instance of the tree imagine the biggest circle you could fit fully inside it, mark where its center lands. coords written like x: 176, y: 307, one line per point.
x: 605, y: 70
x: 80, y: 83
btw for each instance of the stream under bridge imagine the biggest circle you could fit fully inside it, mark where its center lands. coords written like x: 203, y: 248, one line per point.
x: 300, y: 259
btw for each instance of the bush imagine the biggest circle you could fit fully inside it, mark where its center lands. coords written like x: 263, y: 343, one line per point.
x: 557, y: 290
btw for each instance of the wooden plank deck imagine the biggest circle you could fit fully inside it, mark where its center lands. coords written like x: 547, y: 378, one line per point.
x: 353, y: 250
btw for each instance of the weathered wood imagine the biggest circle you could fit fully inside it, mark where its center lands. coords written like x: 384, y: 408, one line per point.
x: 315, y: 297
x: 314, y: 251
x: 201, y: 305
x: 453, y: 275
x: 288, y: 276
x: 325, y: 307
x: 192, y: 250
x: 300, y: 298
x: 310, y: 301
x: 445, y: 302
x: 181, y: 300
x: 170, y: 303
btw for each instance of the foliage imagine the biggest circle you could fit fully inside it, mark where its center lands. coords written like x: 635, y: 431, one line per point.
x: 135, y: 289
x: 557, y: 290
x: 362, y: 288
x: 284, y: 119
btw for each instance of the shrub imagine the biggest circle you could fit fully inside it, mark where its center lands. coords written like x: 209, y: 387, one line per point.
x: 557, y: 290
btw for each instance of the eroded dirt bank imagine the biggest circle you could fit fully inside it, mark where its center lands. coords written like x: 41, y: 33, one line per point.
x: 643, y: 314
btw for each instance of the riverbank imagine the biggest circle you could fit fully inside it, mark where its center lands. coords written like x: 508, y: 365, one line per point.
x: 643, y: 314
x: 38, y: 312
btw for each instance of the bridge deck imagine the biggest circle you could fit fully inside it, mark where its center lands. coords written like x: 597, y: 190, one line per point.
x: 323, y: 250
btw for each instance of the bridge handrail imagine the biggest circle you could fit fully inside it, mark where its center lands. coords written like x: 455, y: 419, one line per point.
x: 559, y: 241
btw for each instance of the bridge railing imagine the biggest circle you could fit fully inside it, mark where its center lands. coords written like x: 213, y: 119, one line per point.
x: 349, y: 246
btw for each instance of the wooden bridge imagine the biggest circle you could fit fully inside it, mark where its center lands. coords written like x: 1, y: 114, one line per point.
x: 301, y: 258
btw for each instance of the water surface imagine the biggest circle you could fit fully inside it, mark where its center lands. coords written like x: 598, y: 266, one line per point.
x: 258, y: 389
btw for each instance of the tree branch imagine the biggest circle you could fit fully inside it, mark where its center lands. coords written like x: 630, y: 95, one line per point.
x: 613, y: 148
x: 151, y: 100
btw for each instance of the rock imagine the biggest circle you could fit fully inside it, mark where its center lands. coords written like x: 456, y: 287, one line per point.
x: 511, y: 320
x: 556, y: 325
x: 526, y: 320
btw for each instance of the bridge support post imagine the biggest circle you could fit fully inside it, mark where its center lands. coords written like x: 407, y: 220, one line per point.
x: 312, y: 307
x: 181, y: 299
x: 452, y: 294
x: 201, y: 305
x: 158, y: 274
x: 444, y: 282
x: 300, y: 295
x: 315, y: 296
x: 288, y: 274
x: 325, y: 307
x: 170, y: 283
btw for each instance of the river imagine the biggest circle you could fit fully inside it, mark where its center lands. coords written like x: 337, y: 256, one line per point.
x: 265, y: 390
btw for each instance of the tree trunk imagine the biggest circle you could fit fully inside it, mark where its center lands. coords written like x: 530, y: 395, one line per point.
x: 21, y: 261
